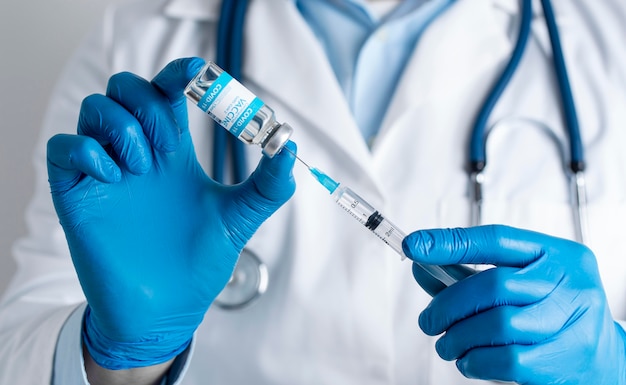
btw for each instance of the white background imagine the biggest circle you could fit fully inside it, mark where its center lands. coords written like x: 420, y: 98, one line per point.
x: 36, y: 38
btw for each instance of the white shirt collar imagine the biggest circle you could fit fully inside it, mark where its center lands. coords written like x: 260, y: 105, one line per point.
x: 210, y: 9
x: 193, y: 9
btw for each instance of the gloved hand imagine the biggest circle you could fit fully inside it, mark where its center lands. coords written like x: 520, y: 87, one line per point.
x: 540, y: 317
x: 153, y: 239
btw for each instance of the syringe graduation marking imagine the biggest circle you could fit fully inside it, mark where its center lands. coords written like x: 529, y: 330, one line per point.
x: 358, y: 218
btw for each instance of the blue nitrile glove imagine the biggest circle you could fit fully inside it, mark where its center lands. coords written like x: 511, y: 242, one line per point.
x: 153, y: 239
x: 540, y: 317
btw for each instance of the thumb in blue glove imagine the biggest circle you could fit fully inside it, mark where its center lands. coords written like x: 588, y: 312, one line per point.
x: 539, y: 317
x: 153, y: 239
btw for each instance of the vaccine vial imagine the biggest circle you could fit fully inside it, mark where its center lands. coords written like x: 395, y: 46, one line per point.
x: 237, y: 109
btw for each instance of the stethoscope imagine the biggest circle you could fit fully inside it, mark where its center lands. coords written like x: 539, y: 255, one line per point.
x: 250, y: 278
x: 477, y: 152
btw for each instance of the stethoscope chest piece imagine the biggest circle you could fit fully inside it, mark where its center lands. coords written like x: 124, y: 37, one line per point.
x: 248, y: 282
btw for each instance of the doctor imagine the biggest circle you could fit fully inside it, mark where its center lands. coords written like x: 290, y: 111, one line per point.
x: 381, y: 95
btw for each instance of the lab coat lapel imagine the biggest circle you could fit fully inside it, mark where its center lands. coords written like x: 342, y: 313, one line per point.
x: 305, y: 82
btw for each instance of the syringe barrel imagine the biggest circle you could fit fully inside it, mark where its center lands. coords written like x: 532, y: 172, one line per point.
x: 432, y: 278
x: 370, y: 218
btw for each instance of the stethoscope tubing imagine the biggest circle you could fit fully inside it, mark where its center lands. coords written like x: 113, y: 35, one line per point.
x: 477, y: 153
x: 577, y: 158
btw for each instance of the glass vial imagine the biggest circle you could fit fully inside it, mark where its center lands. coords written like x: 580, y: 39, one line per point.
x: 237, y: 109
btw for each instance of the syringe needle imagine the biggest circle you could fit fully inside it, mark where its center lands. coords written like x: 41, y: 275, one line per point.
x: 296, y: 156
x: 322, y: 178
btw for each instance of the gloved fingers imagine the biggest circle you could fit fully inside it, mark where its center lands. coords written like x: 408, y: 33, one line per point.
x: 149, y: 106
x: 172, y: 80
x: 500, y: 326
x: 268, y: 188
x: 71, y: 156
x: 109, y: 123
x: 498, y: 363
x: 488, y: 289
x: 273, y: 179
x: 493, y: 244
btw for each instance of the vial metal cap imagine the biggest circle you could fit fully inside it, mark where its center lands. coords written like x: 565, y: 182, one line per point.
x: 277, y: 139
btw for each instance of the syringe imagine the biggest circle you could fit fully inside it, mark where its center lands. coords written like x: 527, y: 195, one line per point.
x: 362, y: 211
x: 432, y: 278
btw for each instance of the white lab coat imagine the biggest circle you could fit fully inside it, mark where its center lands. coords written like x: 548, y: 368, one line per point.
x: 341, y: 308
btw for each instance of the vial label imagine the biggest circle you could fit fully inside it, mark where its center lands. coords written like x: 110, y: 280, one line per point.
x: 230, y: 104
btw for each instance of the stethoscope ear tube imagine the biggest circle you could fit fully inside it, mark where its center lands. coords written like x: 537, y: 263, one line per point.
x: 577, y: 155
x: 579, y: 207
x: 476, y: 197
